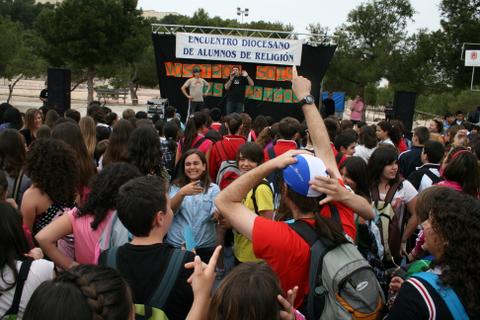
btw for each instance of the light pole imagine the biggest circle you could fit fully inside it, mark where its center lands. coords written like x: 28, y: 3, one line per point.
x: 243, y: 13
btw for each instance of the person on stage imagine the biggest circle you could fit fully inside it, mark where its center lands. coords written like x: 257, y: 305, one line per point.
x: 236, y: 86
x: 196, y: 90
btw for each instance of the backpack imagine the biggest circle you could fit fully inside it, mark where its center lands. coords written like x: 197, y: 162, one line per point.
x: 390, y: 222
x: 152, y: 310
x: 342, y: 283
x: 435, y: 179
x: 194, y: 146
x: 11, y: 313
x: 274, y: 179
x: 227, y: 173
x: 114, y: 235
x: 449, y: 296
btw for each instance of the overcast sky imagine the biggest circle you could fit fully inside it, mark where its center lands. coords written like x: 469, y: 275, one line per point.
x: 298, y: 12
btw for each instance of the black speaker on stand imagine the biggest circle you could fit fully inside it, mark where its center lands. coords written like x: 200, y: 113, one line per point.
x: 404, y: 108
x: 59, y: 81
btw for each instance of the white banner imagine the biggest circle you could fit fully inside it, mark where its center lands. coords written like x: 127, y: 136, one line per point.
x: 472, y: 58
x: 238, y: 49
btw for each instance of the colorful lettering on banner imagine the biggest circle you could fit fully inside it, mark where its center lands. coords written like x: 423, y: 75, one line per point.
x: 206, y: 71
x: 226, y: 70
x: 249, y: 92
x: 208, y: 90
x: 284, y: 74
x: 265, y: 73
x: 217, y: 90
x: 173, y: 69
x: 287, y: 96
x: 267, y: 94
x: 187, y: 70
x: 217, y: 71
x: 278, y: 95
x: 257, y: 93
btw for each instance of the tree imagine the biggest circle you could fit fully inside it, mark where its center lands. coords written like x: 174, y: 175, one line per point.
x: 20, y: 60
x: 23, y: 11
x: 91, y: 34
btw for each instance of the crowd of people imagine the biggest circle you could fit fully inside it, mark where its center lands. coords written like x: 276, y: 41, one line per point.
x: 229, y: 217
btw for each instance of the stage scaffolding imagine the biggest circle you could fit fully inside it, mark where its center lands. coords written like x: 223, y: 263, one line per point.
x: 308, y: 38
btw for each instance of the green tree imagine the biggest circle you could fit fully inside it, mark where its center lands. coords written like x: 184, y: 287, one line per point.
x: 18, y: 59
x: 91, y: 34
x: 23, y: 11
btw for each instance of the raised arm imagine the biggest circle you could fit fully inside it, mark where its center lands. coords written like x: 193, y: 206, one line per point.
x: 229, y: 201
x: 318, y: 132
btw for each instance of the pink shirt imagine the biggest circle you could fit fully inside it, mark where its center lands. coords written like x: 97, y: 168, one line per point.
x: 357, y: 110
x: 86, y: 238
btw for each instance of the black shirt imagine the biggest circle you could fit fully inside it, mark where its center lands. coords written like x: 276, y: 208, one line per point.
x: 329, y: 106
x: 409, y: 160
x: 27, y: 134
x: 236, y: 93
x: 143, y: 267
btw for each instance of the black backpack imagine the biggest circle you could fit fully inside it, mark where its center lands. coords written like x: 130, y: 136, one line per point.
x: 11, y: 313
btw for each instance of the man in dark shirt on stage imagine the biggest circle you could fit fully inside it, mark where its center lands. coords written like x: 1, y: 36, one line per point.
x: 329, y: 105
x: 236, y: 86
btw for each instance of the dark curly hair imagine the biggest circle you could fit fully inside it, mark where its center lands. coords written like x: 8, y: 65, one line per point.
x: 12, y: 152
x: 70, y: 133
x: 52, y: 168
x: 105, y: 190
x: 144, y: 150
x: 455, y: 217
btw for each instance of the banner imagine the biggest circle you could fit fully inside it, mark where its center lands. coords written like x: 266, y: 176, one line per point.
x: 472, y: 58
x: 238, y: 49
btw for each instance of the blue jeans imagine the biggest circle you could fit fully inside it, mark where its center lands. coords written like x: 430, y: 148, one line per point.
x: 237, y: 107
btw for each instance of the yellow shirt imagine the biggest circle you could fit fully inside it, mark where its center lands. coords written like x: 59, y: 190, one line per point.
x: 242, y: 247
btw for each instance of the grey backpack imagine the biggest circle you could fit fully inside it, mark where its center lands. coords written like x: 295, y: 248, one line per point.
x: 342, y: 283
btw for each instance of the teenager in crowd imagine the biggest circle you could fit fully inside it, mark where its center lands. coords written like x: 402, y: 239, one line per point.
x: 70, y: 133
x: 384, y: 174
x: 12, y: 161
x: 367, y: 143
x: 386, y: 133
x: 429, y: 172
x: 259, y: 123
x: 87, y: 223
x: 288, y: 131
x: 47, y: 197
x: 144, y: 151
x: 194, y: 137
x: 410, y: 159
x: 143, y: 261
x: 435, y: 126
x: 14, y: 259
x: 461, y: 172
x: 87, y: 129
x: 33, y: 121
x: 345, y: 143
x: 85, y: 292
x: 192, y: 194
x: 452, y: 230
x: 117, y: 150
x: 12, y: 119
x: 227, y: 148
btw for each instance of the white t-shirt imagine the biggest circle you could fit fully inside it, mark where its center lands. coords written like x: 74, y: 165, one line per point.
x: 403, y: 195
x: 363, y: 152
x: 41, y: 270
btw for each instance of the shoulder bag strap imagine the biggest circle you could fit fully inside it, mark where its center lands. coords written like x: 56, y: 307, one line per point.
x: 254, y: 198
x: 199, y: 142
x: 22, y: 277
x: 391, y: 192
x: 16, y: 187
x: 161, y: 294
x: 449, y: 296
x: 271, y: 152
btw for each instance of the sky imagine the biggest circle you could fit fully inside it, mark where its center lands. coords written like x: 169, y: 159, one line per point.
x: 299, y: 13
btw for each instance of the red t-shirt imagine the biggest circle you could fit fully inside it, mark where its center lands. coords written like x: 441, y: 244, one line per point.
x: 225, y: 149
x: 281, y: 147
x: 204, y: 146
x: 287, y: 253
x: 216, y: 126
x: 402, y: 146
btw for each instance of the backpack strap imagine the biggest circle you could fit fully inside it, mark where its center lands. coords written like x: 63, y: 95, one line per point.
x: 315, y: 300
x: 449, y: 296
x: 22, y: 277
x: 432, y: 176
x: 391, y: 192
x: 198, y: 143
x: 161, y: 294
x: 271, y: 152
x: 17, y: 184
x: 112, y: 257
x: 254, y: 198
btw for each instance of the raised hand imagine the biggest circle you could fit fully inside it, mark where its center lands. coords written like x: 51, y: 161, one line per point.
x: 301, y: 86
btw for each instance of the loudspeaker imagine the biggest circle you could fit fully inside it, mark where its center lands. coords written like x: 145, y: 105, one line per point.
x: 404, y: 108
x: 59, y: 89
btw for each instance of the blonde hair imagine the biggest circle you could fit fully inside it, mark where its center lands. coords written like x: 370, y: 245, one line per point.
x: 30, y: 115
x: 88, y: 130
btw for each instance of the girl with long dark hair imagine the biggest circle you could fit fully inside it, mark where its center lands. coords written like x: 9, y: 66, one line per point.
x: 194, y: 136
